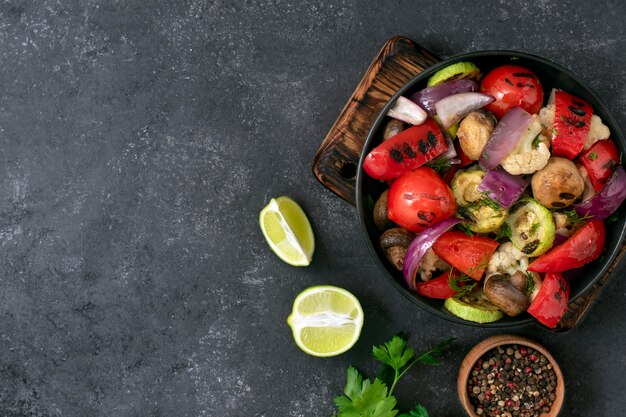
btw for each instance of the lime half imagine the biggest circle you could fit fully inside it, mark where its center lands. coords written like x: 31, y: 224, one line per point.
x: 325, y: 320
x: 474, y: 307
x: 288, y: 231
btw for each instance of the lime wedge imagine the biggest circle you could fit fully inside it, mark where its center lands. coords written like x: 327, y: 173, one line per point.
x: 454, y: 72
x: 325, y: 320
x: 474, y: 307
x: 288, y: 231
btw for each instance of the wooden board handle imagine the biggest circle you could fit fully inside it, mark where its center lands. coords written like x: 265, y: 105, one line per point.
x: 336, y: 161
x: 578, y: 309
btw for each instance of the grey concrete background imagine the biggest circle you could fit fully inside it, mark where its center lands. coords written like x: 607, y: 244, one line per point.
x: 139, y: 141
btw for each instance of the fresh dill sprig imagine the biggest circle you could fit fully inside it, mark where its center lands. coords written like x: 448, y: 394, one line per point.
x: 576, y: 218
x: 461, y: 284
x: 465, y: 229
x: 530, y: 283
x: 504, y: 232
x: 440, y: 164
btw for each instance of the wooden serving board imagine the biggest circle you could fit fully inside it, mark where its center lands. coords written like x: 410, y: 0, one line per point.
x: 336, y: 160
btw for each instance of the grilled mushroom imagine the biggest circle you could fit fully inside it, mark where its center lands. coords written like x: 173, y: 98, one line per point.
x: 393, y: 127
x: 558, y: 184
x: 394, y: 243
x: 506, y: 296
x: 381, y: 219
x: 474, y: 133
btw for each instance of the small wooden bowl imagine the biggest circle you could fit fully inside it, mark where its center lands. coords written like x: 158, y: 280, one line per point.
x: 493, y: 342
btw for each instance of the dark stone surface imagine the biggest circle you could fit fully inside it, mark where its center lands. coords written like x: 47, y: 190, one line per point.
x: 140, y: 141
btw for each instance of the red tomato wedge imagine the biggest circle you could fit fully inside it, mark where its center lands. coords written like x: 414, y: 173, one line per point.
x: 572, y: 118
x: 550, y: 304
x: 465, y: 160
x: 439, y: 287
x: 405, y: 151
x: 584, y: 246
x: 600, y: 161
x: 512, y: 86
x: 418, y: 199
x: 468, y: 254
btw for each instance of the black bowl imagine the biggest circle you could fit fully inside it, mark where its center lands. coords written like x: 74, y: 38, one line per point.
x: 551, y: 75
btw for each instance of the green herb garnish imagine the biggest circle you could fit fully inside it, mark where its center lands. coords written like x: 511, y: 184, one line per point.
x: 504, y: 232
x: 576, y: 218
x: 440, y: 164
x: 486, y: 201
x: 418, y: 411
x: 554, y: 132
x: 534, y: 228
x: 465, y: 229
x: 462, y: 284
x: 536, y: 141
x: 612, y: 219
x: 592, y: 156
x: 364, y: 398
x: 489, y: 201
x: 530, y: 283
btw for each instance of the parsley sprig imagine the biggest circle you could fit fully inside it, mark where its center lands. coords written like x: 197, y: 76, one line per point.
x: 418, y: 411
x: 364, y: 398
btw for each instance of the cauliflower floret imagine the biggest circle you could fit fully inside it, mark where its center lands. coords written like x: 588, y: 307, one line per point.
x: 563, y: 224
x: 531, y: 152
x: 507, y: 260
x: 597, y: 130
x: 431, y: 263
x: 546, y: 117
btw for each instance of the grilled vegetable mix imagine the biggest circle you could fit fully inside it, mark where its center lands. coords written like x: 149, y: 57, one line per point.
x: 492, y: 197
x: 365, y: 398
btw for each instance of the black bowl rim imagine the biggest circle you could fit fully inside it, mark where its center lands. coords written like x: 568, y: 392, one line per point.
x: 616, y: 136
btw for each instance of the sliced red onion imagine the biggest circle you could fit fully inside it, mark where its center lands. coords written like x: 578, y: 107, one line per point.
x: 418, y: 247
x: 455, y: 107
x: 607, y: 201
x: 407, y: 111
x: 427, y: 97
x: 505, y: 137
x: 449, y: 154
x: 502, y: 187
x: 559, y: 238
